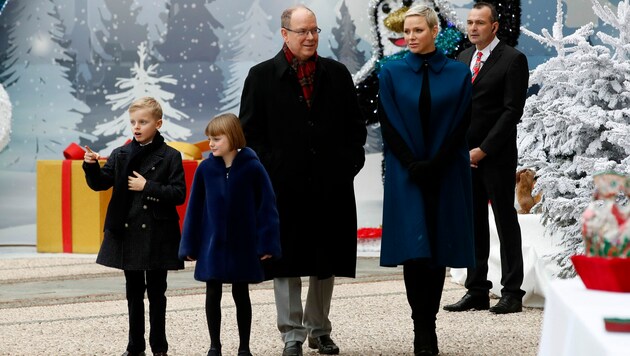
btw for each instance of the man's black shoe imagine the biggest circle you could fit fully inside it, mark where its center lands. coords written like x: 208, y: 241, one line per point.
x: 469, y: 302
x: 324, y: 345
x: 292, y: 348
x: 507, y: 304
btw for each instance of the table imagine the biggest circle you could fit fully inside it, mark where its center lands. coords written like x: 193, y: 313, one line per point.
x: 574, y: 321
x: 538, y: 268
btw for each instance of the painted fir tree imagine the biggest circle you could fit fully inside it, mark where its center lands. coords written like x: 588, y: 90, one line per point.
x: 190, y: 48
x: 46, y: 113
x: 8, y: 44
x: 121, y: 33
x: 578, y: 123
x: 253, y: 28
x: 347, y: 41
x: 143, y: 83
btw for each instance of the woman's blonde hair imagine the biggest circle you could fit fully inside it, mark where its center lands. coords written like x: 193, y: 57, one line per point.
x: 427, y: 12
x: 229, y: 125
x: 150, y: 103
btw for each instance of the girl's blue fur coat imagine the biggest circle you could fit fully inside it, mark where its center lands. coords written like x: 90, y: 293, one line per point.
x: 231, y: 220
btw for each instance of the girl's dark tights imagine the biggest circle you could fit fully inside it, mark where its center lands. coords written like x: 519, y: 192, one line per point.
x: 240, y: 293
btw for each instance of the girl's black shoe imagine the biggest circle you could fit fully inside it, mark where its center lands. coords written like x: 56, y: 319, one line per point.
x: 214, y: 352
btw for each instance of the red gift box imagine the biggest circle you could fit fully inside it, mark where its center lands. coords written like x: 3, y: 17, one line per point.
x: 602, y: 273
x: 190, y: 167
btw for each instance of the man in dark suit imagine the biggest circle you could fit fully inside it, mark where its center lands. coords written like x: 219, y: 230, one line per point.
x: 301, y: 115
x: 500, y: 81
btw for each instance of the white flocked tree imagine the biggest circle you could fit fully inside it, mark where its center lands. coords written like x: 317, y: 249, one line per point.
x: 5, y: 118
x: 142, y: 83
x: 578, y: 123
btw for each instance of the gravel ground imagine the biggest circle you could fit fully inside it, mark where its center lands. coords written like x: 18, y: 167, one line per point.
x: 370, y: 316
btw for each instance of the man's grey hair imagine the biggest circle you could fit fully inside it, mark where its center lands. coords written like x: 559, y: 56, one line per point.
x: 285, y: 18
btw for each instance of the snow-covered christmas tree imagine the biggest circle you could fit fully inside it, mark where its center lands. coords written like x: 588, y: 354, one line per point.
x: 253, y: 28
x: 143, y: 83
x: 46, y: 113
x: 578, y: 123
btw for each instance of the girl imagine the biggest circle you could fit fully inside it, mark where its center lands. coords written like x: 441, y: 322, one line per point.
x: 231, y: 225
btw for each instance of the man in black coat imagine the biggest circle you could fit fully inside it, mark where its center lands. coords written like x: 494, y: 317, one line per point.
x: 301, y: 115
x: 500, y: 80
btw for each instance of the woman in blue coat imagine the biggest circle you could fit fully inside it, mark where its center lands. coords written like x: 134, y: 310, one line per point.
x: 231, y: 225
x: 424, y: 109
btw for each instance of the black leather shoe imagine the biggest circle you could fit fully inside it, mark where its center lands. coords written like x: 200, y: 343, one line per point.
x: 324, y: 345
x: 129, y: 353
x: 160, y: 354
x: 214, y: 351
x: 244, y: 353
x: 507, y: 304
x: 469, y: 302
x: 292, y: 348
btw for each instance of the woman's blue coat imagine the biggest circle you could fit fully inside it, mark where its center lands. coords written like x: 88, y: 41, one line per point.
x: 404, y: 226
x: 231, y: 221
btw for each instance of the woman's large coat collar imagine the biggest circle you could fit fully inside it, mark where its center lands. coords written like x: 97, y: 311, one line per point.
x: 436, y: 62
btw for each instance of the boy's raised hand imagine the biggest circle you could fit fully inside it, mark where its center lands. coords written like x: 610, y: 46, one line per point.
x: 90, y: 156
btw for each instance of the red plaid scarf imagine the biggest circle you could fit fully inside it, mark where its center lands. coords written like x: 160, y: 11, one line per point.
x: 305, y: 72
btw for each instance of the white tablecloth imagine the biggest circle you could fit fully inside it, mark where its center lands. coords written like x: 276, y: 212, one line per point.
x: 573, y: 322
x: 538, y: 268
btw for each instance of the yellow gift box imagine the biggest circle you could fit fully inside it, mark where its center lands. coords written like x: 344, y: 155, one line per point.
x: 70, y: 215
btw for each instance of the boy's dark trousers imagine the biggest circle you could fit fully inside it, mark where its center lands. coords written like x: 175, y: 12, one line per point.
x: 155, y: 286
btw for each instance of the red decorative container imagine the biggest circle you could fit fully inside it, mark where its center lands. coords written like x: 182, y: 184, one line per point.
x: 617, y: 324
x: 601, y: 273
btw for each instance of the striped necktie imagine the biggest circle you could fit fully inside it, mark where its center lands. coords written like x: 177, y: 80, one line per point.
x: 477, y: 66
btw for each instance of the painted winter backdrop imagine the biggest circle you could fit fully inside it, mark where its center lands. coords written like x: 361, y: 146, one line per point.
x: 70, y: 68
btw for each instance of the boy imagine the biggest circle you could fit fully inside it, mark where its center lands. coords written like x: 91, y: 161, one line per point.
x: 142, y: 225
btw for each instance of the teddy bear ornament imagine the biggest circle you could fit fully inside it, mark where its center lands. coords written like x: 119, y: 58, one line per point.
x: 605, y: 225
